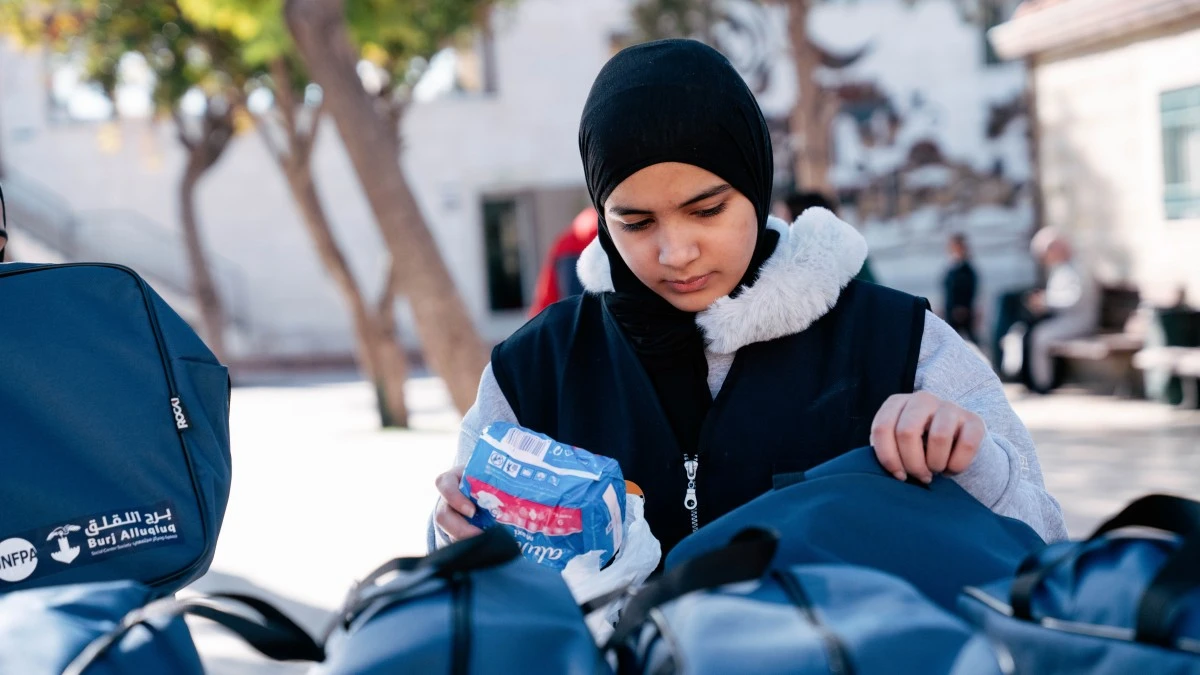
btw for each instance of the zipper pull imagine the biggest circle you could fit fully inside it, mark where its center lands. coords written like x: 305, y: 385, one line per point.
x: 691, y: 467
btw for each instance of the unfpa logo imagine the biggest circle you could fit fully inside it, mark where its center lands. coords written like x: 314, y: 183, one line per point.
x: 181, y: 420
x: 18, y: 559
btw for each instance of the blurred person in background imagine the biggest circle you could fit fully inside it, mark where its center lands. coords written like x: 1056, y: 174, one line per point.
x: 1068, y: 307
x: 960, y: 285
x: 799, y: 202
x: 558, y: 279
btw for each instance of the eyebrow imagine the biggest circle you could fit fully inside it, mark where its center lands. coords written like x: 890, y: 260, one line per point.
x: 710, y: 192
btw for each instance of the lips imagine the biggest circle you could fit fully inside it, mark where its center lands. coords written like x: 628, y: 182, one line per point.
x: 689, y: 285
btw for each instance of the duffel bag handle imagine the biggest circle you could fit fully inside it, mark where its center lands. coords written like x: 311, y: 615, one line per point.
x: 1178, y: 576
x: 494, y: 547
x: 272, y: 633
x: 747, y: 557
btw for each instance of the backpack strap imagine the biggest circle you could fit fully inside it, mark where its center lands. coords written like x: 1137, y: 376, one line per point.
x: 266, y: 629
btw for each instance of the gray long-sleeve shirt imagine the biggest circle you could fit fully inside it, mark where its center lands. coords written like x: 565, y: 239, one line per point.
x: 1005, y: 475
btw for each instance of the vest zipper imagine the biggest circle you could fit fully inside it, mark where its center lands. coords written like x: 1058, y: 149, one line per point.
x: 691, y: 465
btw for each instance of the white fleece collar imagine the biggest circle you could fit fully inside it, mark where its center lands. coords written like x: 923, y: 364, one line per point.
x: 816, y: 258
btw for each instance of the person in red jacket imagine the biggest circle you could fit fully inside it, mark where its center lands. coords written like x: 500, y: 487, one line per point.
x: 558, y: 279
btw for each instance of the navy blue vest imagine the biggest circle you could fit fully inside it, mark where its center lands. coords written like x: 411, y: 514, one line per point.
x: 787, y: 405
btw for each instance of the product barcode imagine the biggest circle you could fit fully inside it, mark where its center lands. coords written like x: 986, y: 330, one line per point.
x: 518, y: 439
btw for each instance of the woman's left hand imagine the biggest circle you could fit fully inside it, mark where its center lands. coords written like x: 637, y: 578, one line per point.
x: 921, y: 435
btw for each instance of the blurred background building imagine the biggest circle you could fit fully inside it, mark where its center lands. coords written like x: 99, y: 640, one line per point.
x: 924, y: 123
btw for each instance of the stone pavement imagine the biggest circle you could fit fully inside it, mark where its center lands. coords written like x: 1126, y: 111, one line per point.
x: 1099, y: 453
x: 320, y: 496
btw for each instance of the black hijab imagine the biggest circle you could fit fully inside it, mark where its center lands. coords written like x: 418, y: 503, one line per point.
x: 673, y: 101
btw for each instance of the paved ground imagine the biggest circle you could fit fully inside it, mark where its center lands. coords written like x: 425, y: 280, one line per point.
x: 320, y: 496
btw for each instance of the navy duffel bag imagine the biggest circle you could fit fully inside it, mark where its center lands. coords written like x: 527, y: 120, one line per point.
x: 475, y: 607
x: 1123, y: 601
x: 850, y: 510
x: 731, y: 610
x: 114, y: 418
x: 118, y: 628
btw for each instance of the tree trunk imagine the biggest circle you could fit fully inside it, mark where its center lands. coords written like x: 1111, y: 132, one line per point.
x: 391, y: 355
x: 212, y: 314
x: 451, y: 344
x: 376, y: 343
x: 810, y: 118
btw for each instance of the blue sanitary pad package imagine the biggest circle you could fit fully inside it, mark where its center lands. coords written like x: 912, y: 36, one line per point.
x: 558, y: 501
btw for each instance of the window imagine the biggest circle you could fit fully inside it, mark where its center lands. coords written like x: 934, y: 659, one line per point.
x: 502, y: 243
x: 1181, y: 152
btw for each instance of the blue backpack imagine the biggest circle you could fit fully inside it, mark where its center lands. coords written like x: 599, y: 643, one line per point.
x: 1122, y: 601
x: 850, y: 510
x: 730, y: 610
x: 118, y: 628
x: 476, y: 607
x: 114, y: 420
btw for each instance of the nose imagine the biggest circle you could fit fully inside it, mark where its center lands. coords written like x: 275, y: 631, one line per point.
x: 676, y: 247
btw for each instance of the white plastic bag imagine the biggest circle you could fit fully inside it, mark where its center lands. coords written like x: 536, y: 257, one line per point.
x: 638, y: 557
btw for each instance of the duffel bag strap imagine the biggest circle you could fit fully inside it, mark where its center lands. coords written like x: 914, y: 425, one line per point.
x: 270, y: 632
x: 3, y: 224
x: 745, y: 558
x: 1178, y: 576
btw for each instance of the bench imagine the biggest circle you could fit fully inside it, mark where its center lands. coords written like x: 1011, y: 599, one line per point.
x: 1179, y: 329
x: 1104, y: 361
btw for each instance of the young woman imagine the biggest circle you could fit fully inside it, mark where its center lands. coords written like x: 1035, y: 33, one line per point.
x: 716, y: 347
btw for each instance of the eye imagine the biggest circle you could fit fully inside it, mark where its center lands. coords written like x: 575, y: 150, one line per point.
x: 635, y: 227
x: 714, y: 211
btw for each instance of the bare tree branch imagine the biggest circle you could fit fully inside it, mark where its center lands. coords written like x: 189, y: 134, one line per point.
x: 181, y: 131
x: 285, y: 98
x: 261, y: 124
x: 314, y: 125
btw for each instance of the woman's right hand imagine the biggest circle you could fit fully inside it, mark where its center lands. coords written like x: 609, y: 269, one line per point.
x: 454, y: 507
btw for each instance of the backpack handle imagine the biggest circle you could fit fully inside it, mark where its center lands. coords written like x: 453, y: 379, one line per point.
x: 1178, y: 576
x: 271, y: 632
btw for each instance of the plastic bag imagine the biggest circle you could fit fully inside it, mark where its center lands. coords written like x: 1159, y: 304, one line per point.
x: 636, y: 560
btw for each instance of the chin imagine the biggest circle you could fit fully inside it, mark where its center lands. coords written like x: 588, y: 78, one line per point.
x: 693, y: 302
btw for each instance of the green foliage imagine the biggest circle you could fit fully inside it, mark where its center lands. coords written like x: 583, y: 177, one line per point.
x: 392, y: 34
x: 226, y: 46
x: 182, y: 54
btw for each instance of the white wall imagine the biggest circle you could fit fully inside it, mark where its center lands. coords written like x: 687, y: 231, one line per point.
x: 1101, y: 153
x: 458, y: 149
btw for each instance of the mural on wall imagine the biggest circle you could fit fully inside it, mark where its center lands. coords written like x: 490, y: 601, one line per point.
x: 926, y: 135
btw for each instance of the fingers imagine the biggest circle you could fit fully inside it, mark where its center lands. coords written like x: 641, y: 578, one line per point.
x: 453, y: 523
x: 910, y: 434
x: 454, y: 507
x: 883, y: 435
x: 447, y: 486
x: 966, y: 447
x: 943, y: 430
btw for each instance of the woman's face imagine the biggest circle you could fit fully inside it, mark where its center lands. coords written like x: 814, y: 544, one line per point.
x: 684, y: 232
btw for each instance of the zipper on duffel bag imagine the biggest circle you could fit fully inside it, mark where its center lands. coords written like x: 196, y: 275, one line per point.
x: 172, y: 391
